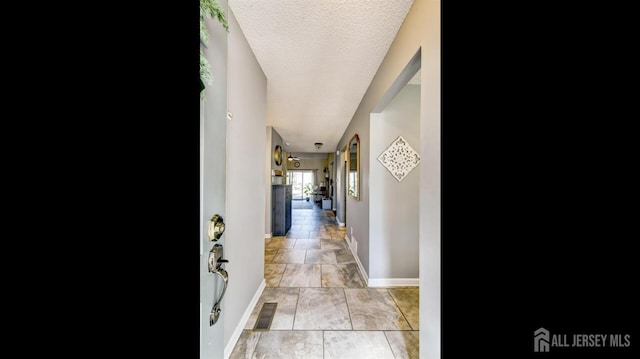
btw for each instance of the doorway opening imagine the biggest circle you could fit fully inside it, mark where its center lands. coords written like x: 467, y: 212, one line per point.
x: 394, y: 181
x: 299, y: 179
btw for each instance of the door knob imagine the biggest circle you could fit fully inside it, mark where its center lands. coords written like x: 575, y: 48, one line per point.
x: 216, y: 228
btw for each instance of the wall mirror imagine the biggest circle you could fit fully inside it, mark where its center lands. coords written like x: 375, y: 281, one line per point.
x: 354, y: 167
x: 277, y: 155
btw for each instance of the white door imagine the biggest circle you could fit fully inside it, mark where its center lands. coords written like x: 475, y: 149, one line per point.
x: 212, y: 197
x: 213, y: 187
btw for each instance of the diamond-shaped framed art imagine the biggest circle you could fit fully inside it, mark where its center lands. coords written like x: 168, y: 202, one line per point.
x: 399, y: 158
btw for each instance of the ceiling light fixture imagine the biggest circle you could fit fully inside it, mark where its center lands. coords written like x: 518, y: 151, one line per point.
x: 318, y: 145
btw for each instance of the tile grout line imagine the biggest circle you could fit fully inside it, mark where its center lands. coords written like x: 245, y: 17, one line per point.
x: 295, y: 311
x: 348, y: 307
x: 389, y: 343
x: 326, y: 227
x: 255, y: 346
x: 282, y: 275
x: 400, y: 309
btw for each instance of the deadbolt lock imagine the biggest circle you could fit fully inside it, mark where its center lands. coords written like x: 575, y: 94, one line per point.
x: 216, y: 228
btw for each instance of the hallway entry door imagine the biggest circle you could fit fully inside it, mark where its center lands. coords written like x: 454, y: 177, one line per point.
x: 214, y: 155
x: 212, y: 202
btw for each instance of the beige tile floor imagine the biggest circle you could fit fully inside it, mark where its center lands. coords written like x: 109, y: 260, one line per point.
x: 324, y: 308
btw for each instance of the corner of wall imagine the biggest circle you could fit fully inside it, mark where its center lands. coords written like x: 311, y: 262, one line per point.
x: 228, y: 349
x: 354, y: 250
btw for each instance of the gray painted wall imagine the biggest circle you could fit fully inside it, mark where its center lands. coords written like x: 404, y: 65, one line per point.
x: 340, y: 188
x: 331, y: 166
x: 419, y: 31
x: 244, y: 244
x: 356, y: 212
x: 394, y: 205
x: 273, y: 139
x: 310, y: 164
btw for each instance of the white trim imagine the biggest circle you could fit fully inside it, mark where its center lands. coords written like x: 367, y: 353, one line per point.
x: 393, y: 282
x: 267, y: 235
x: 340, y: 224
x: 201, y: 177
x: 364, y: 275
x: 243, y: 321
x: 200, y: 346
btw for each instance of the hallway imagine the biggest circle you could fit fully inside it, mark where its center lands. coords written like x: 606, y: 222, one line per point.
x: 324, y: 309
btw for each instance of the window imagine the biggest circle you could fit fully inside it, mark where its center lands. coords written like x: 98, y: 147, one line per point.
x: 299, y: 179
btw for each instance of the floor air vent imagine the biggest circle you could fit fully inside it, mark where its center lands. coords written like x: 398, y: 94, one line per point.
x: 266, y: 316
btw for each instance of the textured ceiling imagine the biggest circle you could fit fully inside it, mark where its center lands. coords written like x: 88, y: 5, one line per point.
x: 319, y: 57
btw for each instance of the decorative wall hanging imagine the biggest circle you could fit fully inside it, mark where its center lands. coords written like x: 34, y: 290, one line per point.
x: 399, y: 158
x: 277, y: 155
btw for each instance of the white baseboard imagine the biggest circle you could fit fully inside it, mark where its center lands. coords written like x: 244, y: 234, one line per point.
x: 268, y: 235
x: 393, y: 282
x: 243, y: 321
x: 363, y: 273
x: 340, y: 224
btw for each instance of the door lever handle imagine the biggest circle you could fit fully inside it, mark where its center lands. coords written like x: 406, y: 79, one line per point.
x: 215, y: 259
x: 214, y: 315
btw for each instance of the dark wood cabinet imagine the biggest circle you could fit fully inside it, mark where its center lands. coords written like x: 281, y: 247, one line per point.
x: 281, y: 209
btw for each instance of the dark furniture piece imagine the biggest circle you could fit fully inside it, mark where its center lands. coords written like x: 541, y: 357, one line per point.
x: 280, y: 209
x: 319, y: 194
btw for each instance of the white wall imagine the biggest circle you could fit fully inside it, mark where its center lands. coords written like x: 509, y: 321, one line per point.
x: 430, y: 174
x: 419, y: 31
x: 394, y: 205
x: 246, y: 143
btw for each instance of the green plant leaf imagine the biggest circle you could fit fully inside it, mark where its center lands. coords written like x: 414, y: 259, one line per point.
x: 208, y: 9
x: 212, y: 8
